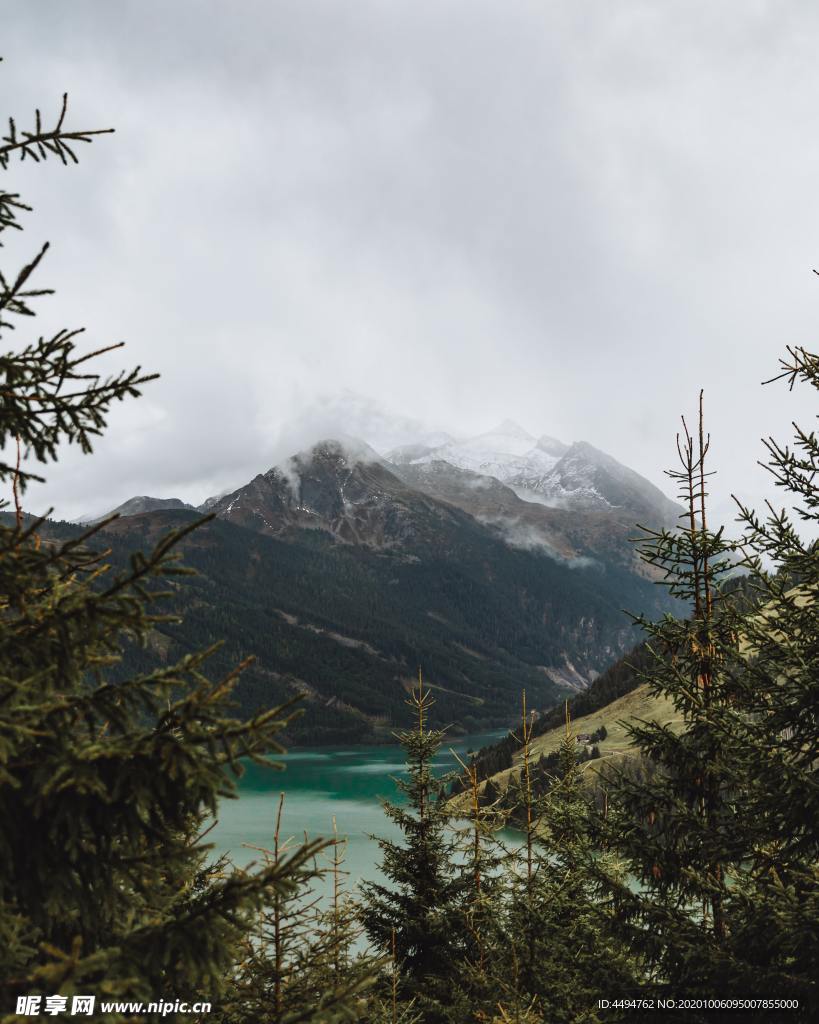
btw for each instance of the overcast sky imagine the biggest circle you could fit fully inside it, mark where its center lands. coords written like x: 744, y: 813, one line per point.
x: 321, y: 216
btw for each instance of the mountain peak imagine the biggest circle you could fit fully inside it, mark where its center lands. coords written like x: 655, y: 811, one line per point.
x: 137, y: 506
x: 342, y: 448
x: 508, y: 428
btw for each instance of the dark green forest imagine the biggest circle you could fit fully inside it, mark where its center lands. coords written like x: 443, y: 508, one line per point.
x: 483, y: 619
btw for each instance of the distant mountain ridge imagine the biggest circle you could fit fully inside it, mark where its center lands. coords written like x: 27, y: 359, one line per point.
x: 503, y: 453
x: 500, y: 477
x: 569, y: 536
x: 347, y: 489
x: 136, y: 507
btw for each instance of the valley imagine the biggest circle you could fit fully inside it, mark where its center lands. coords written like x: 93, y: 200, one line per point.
x: 343, y: 572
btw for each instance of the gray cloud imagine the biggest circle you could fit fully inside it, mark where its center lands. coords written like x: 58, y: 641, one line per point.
x: 572, y: 214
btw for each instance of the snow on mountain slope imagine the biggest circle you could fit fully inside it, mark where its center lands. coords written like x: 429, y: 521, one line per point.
x: 585, y: 477
x: 545, y: 470
x: 209, y: 503
x: 503, y: 453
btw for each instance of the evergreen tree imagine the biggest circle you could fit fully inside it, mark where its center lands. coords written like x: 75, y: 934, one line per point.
x: 674, y: 826
x: 386, y: 1006
x: 342, y: 967
x: 104, y: 881
x: 525, y: 926
x: 517, y: 1014
x: 773, y: 942
x: 416, y: 914
x: 722, y: 836
x: 561, y: 949
x: 298, y: 963
x: 482, y: 861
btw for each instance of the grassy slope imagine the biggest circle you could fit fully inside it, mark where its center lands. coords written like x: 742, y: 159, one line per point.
x: 614, y: 713
x: 639, y: 704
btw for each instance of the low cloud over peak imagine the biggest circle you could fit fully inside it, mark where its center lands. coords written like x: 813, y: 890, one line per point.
x: 572, y: 219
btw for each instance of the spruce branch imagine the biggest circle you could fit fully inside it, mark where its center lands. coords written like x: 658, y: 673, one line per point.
x: 13, y: 296
x: 48, y: 396
x: 10, y: 206
x: 38, y: 144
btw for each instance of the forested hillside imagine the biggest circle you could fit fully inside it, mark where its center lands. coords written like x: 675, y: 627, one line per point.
x: 347, y: 626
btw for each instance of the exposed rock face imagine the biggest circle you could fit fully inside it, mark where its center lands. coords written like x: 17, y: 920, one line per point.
x: 346, y: 489
x: 351, y: 494
x: 574, y: 502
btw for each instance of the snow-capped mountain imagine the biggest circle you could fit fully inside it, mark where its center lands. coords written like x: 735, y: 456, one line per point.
x: 585, y: 477
x: 574, y: 501
x: 346, y: 488
x: 503, y: 453
x: 545, y: 470
x: 213, y: 500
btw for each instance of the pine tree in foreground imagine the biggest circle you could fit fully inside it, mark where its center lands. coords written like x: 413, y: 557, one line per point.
x: 385, y: 1006
x: 560, y: 951
x: 482, y: 859
x: 299, y: 964
x: 105, y: 886
x: 723, y: 838
x: 416, y: 913
x: 675, y: 827
x: 527, y: 931
x: 774, y: 904
x: 342, y: 969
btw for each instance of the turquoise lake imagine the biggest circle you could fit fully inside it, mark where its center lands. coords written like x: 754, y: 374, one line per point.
x: 319, y: 784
